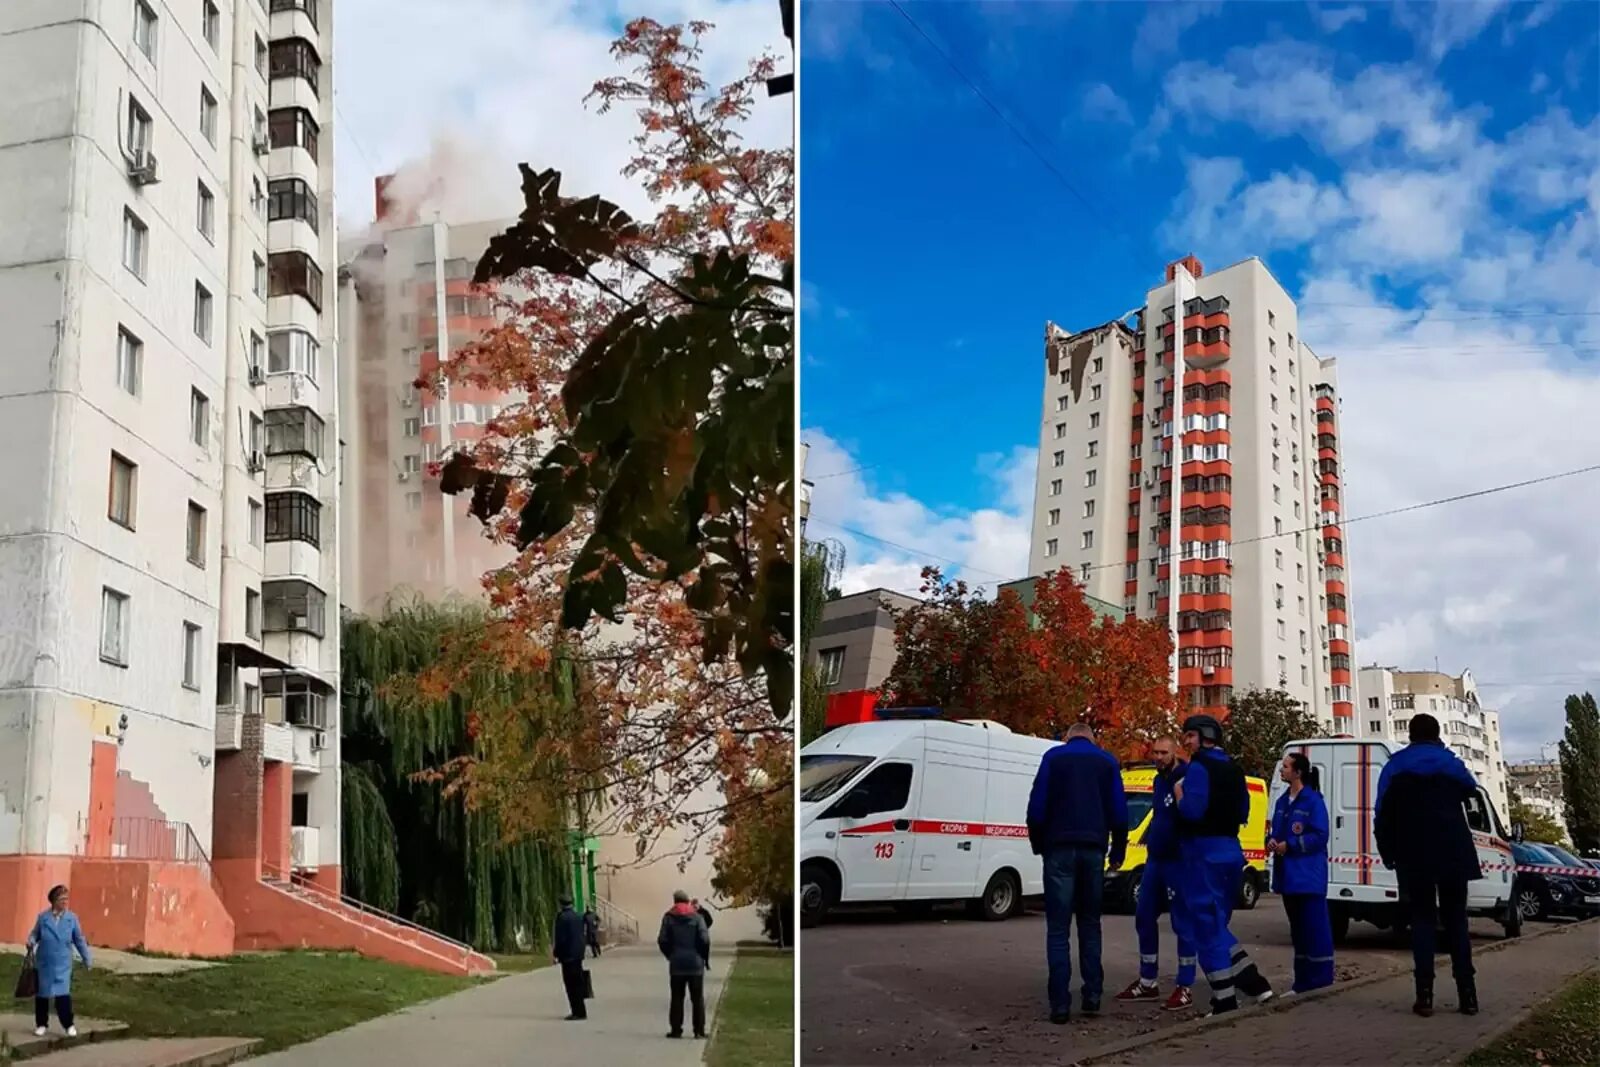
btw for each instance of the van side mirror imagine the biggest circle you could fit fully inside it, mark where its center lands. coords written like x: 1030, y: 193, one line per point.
x: 1517, y: 831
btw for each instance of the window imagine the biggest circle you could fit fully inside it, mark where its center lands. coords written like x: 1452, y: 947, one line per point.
x: 202, y: 312
x: 294, y: 274
x: 887, y: 789
x: 1277, y: 495
x: 1089, y: 478
x: 258, y: 353
x: 1277, y: 594
x: 135, y: 244
x: 258, y: 200
x: 255, y: 523
x: 1272, y: 318
x: 295, y: 58
x: 252, y: 614
x: 1302, y: 605
x: 255, y: 433
x: 309, y: 7
x: 196, y: 534
x: 413, y: 427
x: 1277, y: 526
x: 293, y: 127
x: 114, y: 613
x: 1283, y: 670
x: 1088, y: 539
x: 293, y: 516
x: 208, y: 115
x: 1093, y: 449
x: 1053, y: 517
x: 1061, y: 430
x: 191, y: 656
x: 121, y: 495
x: 199, y: 418
x: 144, y: 28
x: 1283, y: 631
x: 1094, y: 420
x: 130, y: 361
x: 261, y: 56
x: 1272, y: 374
x: 1088, y: 509
x: 211, y: 24
x: 291, y: 198
x: 1061, y: 403
x: 1099, y: 365
x: 1094, y: 392
x: 1060, y: 459
x: 293, y: 606
x: 138, y: 129
x: 1051, y: 546
x: 412, y: 463
x: 413, y: 501
x: 292, y: 351
x: 295, y: 430
x: 206, y: 213
x: 830, y: 663
x: 258, y: 284
x: 1291, y: 342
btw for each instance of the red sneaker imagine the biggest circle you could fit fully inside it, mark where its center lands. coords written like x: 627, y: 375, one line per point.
x: 1181, y: 998
x: 1139, y: 991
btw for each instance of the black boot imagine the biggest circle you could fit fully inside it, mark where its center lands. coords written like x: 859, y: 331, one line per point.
x: 1424, y: 1004
x: 1467, y: 994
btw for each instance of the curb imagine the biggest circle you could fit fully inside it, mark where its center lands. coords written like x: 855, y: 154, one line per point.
x: 32, y: 1047
x: 1281, y: 1004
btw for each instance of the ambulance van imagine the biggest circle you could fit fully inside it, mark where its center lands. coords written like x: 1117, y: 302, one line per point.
x: 1138, y: 783
x: 1359, y: 885
x: 913, y: 812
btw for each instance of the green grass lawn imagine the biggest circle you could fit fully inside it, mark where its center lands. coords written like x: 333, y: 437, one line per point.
x: 518, y: 962
x: 755, y: 1021
x: 1563, y: 1030
x: 283, y: 999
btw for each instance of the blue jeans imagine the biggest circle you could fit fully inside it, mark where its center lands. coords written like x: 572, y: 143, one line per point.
x: 1074, y: 886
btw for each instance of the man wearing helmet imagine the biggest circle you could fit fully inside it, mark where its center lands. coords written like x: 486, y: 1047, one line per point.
x: 1213, y: 803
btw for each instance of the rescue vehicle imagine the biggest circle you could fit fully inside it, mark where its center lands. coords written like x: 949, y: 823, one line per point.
x: 914, y: 810
x: 1359, y: 885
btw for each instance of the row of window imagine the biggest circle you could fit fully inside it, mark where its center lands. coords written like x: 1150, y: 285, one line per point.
x: 292, y: 606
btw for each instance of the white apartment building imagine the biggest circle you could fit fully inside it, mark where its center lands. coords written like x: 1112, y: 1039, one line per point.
x: 169, y: 630
x: 1390, y: 697
x: 1263, y: 597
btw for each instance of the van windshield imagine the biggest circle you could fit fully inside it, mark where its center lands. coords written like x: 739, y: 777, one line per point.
x: 821, y: 776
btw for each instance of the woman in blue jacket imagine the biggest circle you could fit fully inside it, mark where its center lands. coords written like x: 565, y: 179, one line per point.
x: 1299, y: 842
x: 55, y: 934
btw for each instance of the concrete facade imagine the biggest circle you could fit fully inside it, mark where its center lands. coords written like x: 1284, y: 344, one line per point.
x: 159, y: 247
x: 1390, y: 697
x: 854, y: 644
x: 1540, y: 784
x: 1263, y: 598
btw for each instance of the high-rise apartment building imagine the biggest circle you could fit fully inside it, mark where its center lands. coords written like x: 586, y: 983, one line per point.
x: 1389, y: 697
x: 1239, y: 439
x: 169, y: 630
x: 407, y: 295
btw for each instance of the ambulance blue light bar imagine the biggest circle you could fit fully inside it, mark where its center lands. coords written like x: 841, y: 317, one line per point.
x: 909, y: 713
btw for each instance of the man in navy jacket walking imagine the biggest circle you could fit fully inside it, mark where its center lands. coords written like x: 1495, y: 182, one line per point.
x: 1076, y: 808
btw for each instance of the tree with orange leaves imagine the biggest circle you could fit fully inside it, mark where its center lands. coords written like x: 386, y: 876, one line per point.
x: 1036, y: 669
x: 645, y: 481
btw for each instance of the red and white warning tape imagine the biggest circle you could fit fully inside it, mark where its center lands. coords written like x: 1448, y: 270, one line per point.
x: 1526, y: 868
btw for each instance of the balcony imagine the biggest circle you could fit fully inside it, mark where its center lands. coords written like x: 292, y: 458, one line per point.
x: 277, y: 742
x: 303, y: 848
x: 309, y: 744
x: 295, y: 68
x: 230, y: 728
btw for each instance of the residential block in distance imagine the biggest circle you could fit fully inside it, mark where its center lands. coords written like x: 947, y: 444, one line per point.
x: 1240, y: 441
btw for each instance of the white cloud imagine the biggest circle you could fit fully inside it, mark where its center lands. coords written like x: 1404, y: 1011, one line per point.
x: 1441, y: 27
x: 1102, y: 104
x: 1334, y: 19
x: 504, y: 83
x: 985, y: 545
x: 1164, y: 25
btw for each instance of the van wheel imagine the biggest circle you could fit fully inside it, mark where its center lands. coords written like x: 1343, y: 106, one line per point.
x: 1001, y: 897
x: 1339, y: 921
x: 1249, y: 891
x: 819, y: 893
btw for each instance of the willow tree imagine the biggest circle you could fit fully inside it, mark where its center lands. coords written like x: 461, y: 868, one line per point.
x: 414, y: 843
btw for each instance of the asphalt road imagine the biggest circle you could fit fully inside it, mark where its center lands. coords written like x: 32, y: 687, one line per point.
x: 878, y: 988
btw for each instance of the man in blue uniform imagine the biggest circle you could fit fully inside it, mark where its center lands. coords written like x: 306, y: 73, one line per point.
x: 1076, y: 806
x: 1158, y: 888
x: 1422, y: 835
x: 1213, y: 802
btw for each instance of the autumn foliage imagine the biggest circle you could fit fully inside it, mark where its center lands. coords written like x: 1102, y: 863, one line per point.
x: 1036, y: 671
x: 644, y: 483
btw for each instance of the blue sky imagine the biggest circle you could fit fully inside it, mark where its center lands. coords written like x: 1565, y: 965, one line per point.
x: 1424, y: 178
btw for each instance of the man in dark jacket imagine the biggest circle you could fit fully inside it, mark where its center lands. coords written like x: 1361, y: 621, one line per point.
x: 1158, y: 885
x: 1077, y: 806
x: 1422, y: 835
x: 567, y: 948
x: 684, y: 942
x: 591, y: 931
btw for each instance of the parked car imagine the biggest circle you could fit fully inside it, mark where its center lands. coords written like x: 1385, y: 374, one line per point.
x: 1542, y: 895
x: 1588, y: 888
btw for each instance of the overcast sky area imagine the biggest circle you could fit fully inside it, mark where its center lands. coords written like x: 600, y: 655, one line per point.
x: 471, y: 88
x: 1423, y: 179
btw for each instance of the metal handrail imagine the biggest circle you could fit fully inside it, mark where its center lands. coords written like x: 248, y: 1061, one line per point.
x: 301, y: 881
x: 614, y: 917
x: 162, y: 840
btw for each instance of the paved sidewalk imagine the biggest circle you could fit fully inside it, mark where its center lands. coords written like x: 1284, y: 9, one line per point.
x: 519, y: 1020
x: 1373, y: 1023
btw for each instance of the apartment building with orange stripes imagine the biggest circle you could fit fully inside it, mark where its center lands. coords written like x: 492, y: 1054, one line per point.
x: 1240, y: 441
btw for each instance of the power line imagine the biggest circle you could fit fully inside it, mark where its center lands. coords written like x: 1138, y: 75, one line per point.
x: 841, y: 474
x: 1457, y: 498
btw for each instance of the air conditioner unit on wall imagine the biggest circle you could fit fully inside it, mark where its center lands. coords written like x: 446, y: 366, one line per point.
x: 255, y: 463
x: 258, y: 375
x: 319, y: 741
x: 142, y: 169
x: 261, y: 143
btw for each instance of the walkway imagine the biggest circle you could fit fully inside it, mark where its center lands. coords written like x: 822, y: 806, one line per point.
x: 1372, y: 1023
x: 519, y: 1019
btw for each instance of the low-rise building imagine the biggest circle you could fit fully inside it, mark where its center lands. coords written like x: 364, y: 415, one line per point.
x: 1389, y: 697
x: 1540, y: 785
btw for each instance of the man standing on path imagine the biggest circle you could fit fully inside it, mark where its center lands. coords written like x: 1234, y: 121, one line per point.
x: 567, y: 948
x: 591, y: 930
x: 1422, y: 835
x: 705, y: 917
x: 1076, y: 806
x: 1213, y: 803
x: 684, y: 942
x: 1157, y: 887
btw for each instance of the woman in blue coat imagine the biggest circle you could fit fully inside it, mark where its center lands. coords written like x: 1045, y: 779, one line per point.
x: 1299, y: 842
x: 55, y: 934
